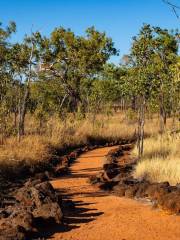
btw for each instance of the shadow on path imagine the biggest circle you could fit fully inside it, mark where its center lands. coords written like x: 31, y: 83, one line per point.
x: 75, y: 214
x: 81, y: 211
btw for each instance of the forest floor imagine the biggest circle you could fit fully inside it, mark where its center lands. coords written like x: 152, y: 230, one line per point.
x: 98, y: 215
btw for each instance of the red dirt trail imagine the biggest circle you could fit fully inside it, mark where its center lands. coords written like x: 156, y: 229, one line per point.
x: 99, y: 216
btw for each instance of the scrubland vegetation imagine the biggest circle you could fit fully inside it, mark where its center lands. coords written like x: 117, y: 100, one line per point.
x: 60, y: 91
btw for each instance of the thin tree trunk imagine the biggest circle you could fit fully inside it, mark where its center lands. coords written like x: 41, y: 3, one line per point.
x: 133, y: 103
x: 23, y: 105
x: 15, y: 118
x: 22, y: 113
x: 141, y: 122
x: 163, y: 116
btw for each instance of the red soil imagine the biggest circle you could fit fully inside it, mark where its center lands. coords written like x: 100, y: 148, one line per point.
x: 99, y: 216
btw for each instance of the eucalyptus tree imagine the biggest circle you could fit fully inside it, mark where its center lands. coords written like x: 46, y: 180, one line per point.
x: 142, y: 55
x: 24, y: 62
x: 165, y: 54
x: 75, y: 61
x: 153, y: 53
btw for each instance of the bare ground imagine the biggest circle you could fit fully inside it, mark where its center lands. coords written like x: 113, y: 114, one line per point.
x: 98, y: 216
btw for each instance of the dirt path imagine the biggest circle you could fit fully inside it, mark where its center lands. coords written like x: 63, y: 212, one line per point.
x: 98, y: 216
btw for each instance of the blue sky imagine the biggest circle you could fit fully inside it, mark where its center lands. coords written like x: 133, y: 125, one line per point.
x: 120, y: 19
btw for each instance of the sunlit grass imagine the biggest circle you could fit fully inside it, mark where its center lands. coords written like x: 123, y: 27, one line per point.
x: 38, y: 144
x: 161, y: 160
x: 32, y: 148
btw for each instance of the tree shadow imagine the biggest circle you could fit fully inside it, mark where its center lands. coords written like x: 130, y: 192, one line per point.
x: 75, y: 214
x: 93, y: 156
x: 85, y: 173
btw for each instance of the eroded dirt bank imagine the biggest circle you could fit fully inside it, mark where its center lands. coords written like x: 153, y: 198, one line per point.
x: 98, y: 216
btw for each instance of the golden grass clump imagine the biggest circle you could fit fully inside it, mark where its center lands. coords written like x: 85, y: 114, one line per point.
x: 161, y: 159
x: 31, y: 149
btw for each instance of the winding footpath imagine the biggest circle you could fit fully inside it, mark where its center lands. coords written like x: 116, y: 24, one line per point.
x: 99, y: 216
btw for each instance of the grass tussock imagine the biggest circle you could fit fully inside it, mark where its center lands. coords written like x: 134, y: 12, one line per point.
x: 30, y: 149
x: 161, y: 160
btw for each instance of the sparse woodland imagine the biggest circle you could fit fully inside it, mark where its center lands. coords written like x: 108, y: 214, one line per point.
x: 90, y: 120
x: 61, y: 90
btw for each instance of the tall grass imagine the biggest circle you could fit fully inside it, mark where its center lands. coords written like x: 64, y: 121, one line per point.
x: 161, y: 160
x: 37, y: 144
x: 31, y: 148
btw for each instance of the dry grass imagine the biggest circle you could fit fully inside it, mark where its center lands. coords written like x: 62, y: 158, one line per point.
x: 78, y: 132
x: 30, y: 149
x: 161, y: 160
x: 36, y: 147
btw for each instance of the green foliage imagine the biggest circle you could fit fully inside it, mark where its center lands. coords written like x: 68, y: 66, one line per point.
x: 153, y: 54
x: 66, y: 73
x: 75, y: 61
